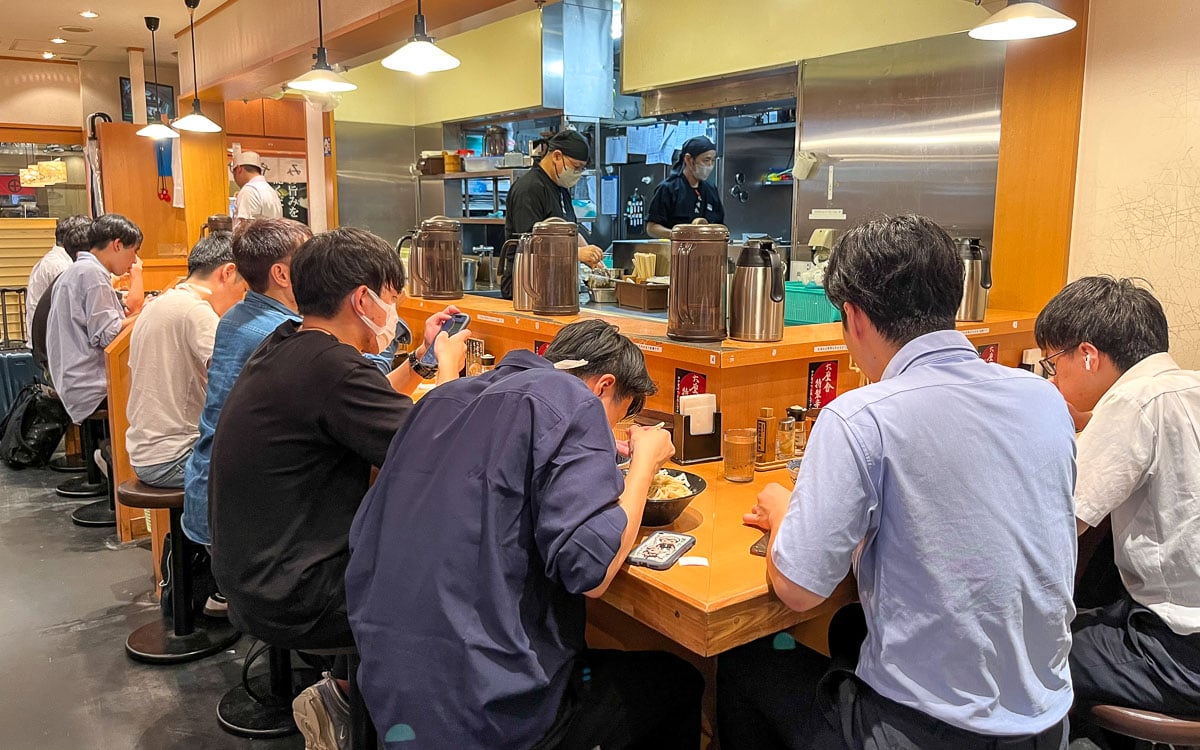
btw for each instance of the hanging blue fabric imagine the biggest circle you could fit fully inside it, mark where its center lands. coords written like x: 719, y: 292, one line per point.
x: 163, y: 148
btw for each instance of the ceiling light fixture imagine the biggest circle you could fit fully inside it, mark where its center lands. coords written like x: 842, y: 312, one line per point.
x: 155, y: 130
x: 47, y: 55
x: 420, y: 55
x: 322, y: 78
x: 1022, y: 19
x: 58, y: 40
x: 90, y: 14
x: 195, y: 122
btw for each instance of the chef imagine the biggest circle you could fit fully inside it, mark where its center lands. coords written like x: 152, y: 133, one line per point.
x: 544, y: 192
x: 256, y: 199
x: 686, y: 196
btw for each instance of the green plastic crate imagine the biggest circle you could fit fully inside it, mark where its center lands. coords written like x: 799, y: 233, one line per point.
x: 803, y: 304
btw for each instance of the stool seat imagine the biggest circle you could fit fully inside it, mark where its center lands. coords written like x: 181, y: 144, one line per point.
x: 1148, y: 725
x: 135, y: 493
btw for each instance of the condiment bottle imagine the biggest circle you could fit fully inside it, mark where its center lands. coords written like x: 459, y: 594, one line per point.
x: 767, y: 433
x: 797, y: 412
x: 487, y: 362
x: 787, y: 437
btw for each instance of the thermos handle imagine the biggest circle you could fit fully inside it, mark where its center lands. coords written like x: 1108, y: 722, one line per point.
x: 985, y: 279
x: 776, y: 273
x: 505, y: 258
x: 684, y: 313
x: 418, y: 268
x: 527, y: 280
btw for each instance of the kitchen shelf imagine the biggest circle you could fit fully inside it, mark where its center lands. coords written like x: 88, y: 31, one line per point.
x: 763, y: 128
x: 472, y: 175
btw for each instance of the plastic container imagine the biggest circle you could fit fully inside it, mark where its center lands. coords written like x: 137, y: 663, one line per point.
x: 804, y: 304
x: 482, y: 163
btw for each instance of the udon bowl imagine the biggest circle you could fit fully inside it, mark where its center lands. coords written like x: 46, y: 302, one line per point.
x: 664, y: 512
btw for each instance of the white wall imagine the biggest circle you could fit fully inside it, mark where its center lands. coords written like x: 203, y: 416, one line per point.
x: 100, y: 90
x: 1137, y: 195
x: 33, y: 92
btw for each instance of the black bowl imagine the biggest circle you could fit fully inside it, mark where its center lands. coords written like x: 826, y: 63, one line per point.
x: 664, y: 512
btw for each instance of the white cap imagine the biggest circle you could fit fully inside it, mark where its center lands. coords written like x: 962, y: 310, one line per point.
x: 247, y: 157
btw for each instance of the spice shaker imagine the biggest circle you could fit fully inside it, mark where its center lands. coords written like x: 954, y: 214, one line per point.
x: 797, y: 413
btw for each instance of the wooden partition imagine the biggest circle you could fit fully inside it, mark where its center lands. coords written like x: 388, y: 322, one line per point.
x: 130, y: 521
x: 131, y: 186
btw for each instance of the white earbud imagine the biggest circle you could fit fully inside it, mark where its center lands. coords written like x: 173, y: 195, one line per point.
x: 1087, y: 362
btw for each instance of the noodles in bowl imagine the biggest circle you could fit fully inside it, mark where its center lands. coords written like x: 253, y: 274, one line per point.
x: 666, y: 486
x: 670, y: 493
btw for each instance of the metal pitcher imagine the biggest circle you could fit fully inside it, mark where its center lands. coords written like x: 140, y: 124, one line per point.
x: 756, y: 309
x: 977, y: 279
x: 435, y: 259
x: 553, y: 261
x: 522, y: 300
x: 696, y: 302
x: 216, y: 223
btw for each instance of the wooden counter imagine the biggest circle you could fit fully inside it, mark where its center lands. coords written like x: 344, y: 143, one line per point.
x: 712, y: 608
x: 744, y: 376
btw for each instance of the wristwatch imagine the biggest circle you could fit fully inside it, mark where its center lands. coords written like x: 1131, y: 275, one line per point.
x: 420, y: 368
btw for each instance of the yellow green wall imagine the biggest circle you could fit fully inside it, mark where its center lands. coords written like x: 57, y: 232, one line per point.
x: 501, y: 71
x: 662, y: 47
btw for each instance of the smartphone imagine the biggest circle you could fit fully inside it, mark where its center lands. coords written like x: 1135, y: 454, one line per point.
x: 760, y: 547
x: 661, y: 550
x: 457, y: 322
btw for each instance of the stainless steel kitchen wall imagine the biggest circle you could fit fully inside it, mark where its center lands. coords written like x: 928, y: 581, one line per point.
x: 376, y: 190
x: 911, y: 127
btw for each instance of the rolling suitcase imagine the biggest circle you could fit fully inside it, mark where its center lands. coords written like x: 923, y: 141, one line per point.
x: 17, y: 370
x: 13, y: 326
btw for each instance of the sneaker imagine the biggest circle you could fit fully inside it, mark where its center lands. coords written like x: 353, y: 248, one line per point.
x: 98, y: 457
x: 217, y: 606
x: 322, y: 714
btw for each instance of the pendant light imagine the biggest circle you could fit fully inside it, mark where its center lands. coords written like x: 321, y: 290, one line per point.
x: 1022, y: 19
x: 155, y: 130
x: 420, y: 55
x: 195, y: 122
x: 322, y: 79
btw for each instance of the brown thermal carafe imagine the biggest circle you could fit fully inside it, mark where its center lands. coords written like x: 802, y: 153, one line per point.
x: 699, y: 259
x: 435, y: 260
x: 216, y: 223
x: 553, y: 262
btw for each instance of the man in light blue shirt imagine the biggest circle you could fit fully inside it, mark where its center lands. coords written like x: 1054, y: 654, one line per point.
x: 947, y: 485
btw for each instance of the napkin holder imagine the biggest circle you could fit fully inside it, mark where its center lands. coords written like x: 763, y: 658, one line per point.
x: 695, y: 449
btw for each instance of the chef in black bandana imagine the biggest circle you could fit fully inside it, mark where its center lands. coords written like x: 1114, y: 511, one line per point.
x: 686, y: 196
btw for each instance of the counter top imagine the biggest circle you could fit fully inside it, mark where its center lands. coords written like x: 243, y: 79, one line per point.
x: 799, y: 342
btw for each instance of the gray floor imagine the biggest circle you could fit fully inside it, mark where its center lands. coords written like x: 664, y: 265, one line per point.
x: 68, y: 598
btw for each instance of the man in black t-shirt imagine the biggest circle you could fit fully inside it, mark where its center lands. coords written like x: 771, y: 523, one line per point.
x: 544, y: 192
x: 686, y: 196
x: 306, y: 420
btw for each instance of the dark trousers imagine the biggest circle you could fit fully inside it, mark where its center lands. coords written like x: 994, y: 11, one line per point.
x: 1124, y: 655
x: 631, y: 700
x: 775, y: 693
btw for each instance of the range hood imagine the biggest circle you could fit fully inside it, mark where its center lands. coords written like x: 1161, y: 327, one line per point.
x: 577, y: 47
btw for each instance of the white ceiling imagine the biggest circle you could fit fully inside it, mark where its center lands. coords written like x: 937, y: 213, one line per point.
x: 28, y: 26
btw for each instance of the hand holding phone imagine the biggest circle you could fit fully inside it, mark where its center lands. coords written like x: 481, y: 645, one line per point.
x: 451, y: 327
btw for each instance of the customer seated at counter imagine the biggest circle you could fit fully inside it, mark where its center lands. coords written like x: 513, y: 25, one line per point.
x: 1139, y: 463
x: 306, y: 420
x: 70, y: 230
x: 169, y: 352
x: 86, y: 313
x: 946, y: 485
x: 499, y: 508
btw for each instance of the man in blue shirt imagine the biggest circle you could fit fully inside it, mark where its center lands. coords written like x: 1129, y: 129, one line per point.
x: 947, y: 485
x: 498, y: 510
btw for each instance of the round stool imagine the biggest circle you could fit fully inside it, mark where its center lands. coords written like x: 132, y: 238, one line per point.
x: 1148, y: 726
x: 155, y: 643
x: 101, y: 513
x: 92, y: 484
x: 261, y: 707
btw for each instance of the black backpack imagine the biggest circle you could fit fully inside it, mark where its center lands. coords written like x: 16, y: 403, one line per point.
x: 33, y: 427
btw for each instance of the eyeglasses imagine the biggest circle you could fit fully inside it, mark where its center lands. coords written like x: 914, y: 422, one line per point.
x: 1047, y: 363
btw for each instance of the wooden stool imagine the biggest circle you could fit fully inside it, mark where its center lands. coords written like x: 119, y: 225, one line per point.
x: 1155, y: 728
x: 154, y: 643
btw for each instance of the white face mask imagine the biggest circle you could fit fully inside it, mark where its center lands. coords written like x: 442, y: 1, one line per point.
x: 569, y: 176
x: 385, y: 333
x: 702, y: 171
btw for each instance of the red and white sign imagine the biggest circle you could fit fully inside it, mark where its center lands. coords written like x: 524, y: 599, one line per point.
x: 989, y: 352
x: 822, y: 383
x: 689, y: 383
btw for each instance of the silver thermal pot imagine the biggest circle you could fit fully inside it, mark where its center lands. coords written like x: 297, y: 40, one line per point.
x: 977, y: 278
x: 757, y: 294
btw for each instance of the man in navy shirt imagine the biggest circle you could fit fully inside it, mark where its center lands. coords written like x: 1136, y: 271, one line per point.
x: 498, y: 510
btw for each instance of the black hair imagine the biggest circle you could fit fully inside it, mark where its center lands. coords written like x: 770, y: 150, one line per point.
x: 700, y: 144
x: 111, y: 227
x: 71, y: 234
x: 903, y: 272
x: 333, y: 264
x: 210, y: 253
x: 606, y: 352
x: 1118, y: 317
x: 251, y: 168
x: 261, y: 243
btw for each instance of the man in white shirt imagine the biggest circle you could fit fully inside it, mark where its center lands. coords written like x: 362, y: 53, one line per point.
x: 256, y: 199
x: 70, y: 238
x: 1138, y: 462
x: 169, y: 352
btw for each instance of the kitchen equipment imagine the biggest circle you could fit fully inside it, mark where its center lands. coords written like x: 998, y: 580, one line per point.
x: 977, y: 278
x: 435, y: 259
x: 495, y: 140
x: 521, y: 299
x: 470, y: 271
x: 696, y: 306
x: 805, y: 303
x: 601, y: 284
x: 553, y: 259
x: 756, y: 300
x: 216, y: 223
x: 431, y: 162
x: 645, y: 297
x: 487, y: 265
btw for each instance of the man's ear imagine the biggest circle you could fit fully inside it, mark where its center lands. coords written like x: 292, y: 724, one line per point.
x: 281, y: 274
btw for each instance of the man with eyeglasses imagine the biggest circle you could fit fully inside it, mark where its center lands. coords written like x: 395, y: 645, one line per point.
x: 544, y: 193
x: 499, y: 509
x: 1139, y: 463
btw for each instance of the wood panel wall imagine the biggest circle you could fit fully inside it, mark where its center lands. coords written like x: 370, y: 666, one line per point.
x: 23, y: 242
x: 1039, y: 145
x: 129, y: 170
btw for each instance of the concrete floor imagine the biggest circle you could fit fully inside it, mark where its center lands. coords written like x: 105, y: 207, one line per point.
x: 68, y: 598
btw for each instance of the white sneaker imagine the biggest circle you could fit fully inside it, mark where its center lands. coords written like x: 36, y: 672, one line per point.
x: 217, y: 606
x: 98, y: 457
x: 322, y: 714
